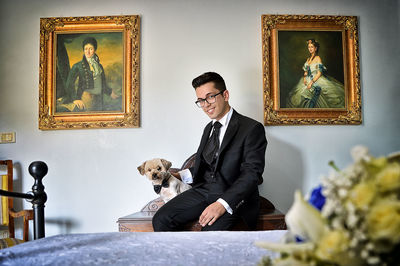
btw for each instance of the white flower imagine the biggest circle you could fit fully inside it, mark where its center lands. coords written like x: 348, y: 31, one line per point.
x: 352, y: 217
x: 288, y: 248
x: 359, y: 223
x: 342, y: 193
x: 305, y: 220
x: 360, y: 153
x: 373, y: 260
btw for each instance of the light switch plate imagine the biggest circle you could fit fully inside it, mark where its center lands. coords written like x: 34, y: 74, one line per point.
x: 7, y: 137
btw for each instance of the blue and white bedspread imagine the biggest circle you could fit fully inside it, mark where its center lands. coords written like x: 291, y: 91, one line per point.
x: 180, y: 248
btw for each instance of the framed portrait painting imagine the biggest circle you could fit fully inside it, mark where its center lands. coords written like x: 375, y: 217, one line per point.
x: 311, y: 72
x: 89, y: 72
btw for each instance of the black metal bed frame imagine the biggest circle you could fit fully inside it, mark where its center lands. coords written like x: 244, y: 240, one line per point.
x: 37, y: 197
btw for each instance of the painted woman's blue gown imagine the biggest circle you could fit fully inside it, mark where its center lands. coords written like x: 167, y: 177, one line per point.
x: 326, y: 92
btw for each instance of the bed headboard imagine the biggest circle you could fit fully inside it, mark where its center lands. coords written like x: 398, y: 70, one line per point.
x: 37, y: 197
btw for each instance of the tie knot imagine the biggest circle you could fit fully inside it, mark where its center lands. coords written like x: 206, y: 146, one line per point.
x: 217, y: 125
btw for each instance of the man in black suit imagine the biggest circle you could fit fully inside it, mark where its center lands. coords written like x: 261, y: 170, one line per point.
x: 229, y: 164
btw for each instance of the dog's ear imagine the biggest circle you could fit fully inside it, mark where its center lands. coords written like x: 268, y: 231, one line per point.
x: 167, y: 164
x: 141, y: 168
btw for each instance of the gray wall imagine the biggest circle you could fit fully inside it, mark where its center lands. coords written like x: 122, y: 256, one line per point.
x: 92, y: 177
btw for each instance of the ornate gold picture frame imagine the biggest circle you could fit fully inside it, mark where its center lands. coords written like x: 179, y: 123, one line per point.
x: 89, y: 72
x: 311, y: 72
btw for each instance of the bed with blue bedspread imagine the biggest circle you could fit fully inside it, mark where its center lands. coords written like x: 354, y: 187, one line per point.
x: 143, y: 248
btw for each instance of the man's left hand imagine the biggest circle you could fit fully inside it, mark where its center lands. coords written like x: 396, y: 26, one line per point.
x: 211, y: 213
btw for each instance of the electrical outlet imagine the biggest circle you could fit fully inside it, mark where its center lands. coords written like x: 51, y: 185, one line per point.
x: 7, y: 137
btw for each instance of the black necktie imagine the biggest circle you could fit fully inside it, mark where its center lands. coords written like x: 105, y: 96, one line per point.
x: 211, y: 149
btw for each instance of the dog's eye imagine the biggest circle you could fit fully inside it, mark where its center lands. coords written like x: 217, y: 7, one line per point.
x: 149, y: 170
x: 159, y: 168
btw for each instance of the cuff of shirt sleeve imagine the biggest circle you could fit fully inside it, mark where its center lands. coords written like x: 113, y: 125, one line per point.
x: 226, y: 205
x: 186, y: 176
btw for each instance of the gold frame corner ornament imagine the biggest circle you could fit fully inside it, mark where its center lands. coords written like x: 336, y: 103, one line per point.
x: 273, y: 114
x: 129, y: 117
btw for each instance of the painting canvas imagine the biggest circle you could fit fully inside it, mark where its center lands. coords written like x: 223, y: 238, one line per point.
x: 298, y: 67
x: 89, y: 72
x: 311, y: 70
x: 78, y: 56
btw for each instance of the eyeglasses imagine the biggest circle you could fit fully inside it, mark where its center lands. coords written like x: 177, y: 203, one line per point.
x: 209, y: 99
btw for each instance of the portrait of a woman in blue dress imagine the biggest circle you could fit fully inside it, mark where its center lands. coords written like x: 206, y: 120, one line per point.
x: 316, y: 89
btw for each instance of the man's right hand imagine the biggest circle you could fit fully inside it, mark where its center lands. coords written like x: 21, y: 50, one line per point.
x: 80, y: 104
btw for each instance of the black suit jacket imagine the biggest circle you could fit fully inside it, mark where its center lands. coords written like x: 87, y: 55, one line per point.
x: 240, y: 165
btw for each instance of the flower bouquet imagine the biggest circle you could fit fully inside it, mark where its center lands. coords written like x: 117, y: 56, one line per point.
x: 352, y: 218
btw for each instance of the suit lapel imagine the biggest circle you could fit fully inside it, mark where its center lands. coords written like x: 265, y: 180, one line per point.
x: 204, y: 138
x: 203, y: 142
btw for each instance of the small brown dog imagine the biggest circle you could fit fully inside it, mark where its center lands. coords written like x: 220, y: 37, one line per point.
x: 164, y: 183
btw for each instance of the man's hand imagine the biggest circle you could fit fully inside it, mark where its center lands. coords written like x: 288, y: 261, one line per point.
x: 211, y: 213
x: 80, y: 104
x: 113, y: 95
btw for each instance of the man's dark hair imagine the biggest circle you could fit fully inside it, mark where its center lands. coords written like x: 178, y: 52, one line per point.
x: 90, y: 40
x: 218, y: 81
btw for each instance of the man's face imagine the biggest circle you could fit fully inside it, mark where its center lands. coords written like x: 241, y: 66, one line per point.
x: 89, y: 50
x: 215, y: 110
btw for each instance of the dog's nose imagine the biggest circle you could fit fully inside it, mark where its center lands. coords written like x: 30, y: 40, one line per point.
x: 154, y: 174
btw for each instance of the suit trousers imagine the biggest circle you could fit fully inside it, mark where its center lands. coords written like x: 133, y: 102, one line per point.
x: 187, y: 207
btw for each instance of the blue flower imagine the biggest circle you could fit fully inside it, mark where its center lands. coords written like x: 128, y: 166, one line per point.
x: 317, y: 199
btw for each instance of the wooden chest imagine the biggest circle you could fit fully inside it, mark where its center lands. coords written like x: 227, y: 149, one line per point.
x: 269, y: 219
